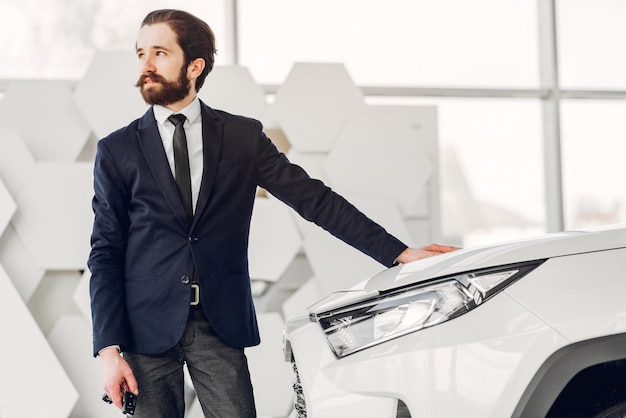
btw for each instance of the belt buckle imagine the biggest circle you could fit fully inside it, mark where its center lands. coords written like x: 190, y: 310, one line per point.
x: 195, y: 301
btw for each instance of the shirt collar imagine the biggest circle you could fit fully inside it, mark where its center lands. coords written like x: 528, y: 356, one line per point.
x: 192, y: 112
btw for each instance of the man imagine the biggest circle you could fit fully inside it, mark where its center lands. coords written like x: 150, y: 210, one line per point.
x: 170, y: 283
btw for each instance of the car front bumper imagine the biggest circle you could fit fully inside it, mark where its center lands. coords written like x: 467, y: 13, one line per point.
x: 436, y: 372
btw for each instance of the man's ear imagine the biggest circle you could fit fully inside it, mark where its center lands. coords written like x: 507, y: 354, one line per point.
x: 195, y: 68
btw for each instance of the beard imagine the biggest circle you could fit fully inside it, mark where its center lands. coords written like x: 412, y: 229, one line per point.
x: 165, y: 92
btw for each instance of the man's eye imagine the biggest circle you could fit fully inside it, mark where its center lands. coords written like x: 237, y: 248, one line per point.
x: 160, y: 53
x: 141, y: 55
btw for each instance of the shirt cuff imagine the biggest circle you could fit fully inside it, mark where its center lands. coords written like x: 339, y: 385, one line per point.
x: 110, y: 346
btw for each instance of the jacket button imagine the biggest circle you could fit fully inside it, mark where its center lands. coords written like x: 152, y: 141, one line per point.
x: 185, y: 279
x: 193, y: 239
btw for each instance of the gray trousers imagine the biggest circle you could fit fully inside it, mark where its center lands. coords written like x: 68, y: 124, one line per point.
x: 219, y: 374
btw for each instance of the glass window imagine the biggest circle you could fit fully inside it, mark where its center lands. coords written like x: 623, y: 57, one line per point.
x: 56, y: 39
x: 591, y: 44
x: 593, y: 149
x: 491, y: 165
x: 479, y: 43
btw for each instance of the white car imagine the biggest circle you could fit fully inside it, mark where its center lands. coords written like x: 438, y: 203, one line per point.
x: 531, y: 328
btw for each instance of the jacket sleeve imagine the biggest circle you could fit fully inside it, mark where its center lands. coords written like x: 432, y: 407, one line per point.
x: 107, y: 257
x: 317, y: 203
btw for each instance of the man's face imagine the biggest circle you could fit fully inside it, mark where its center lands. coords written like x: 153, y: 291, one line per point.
x: 163, y: 76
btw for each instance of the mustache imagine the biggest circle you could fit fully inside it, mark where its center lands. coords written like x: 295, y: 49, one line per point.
x: 152, y: 76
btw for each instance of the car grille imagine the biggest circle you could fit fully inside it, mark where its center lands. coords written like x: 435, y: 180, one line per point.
x: 298, y: 403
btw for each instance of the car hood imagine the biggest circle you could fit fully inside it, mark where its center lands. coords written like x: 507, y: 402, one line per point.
x: 463, y: 260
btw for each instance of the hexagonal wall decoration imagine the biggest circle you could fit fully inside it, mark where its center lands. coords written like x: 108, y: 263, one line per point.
x: 384, y: 212
x: 422, y: 119
x: 381, y: 157
x: 274, y: 239
x: 278, y: 138
x: 336, y: 264
x: 53, y: 298
x: 309, y: 293
x: 7, y: 207
x: 311, y: 162
x: 71, y: 339
x: 19, y: 264
x: 107, y: 94
x: 271, y: 375
x: 47, y: 118
x: 34, y: 383
x: 232, y: 89
x: 81, y: 296
x: 16, y: 160
x: 314, y: 103
x: 54, y: 217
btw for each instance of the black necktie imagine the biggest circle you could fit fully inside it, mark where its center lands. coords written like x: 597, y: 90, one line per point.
x: 181, y: 161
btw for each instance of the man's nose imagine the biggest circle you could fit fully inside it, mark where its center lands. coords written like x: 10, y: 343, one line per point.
x: 147, y: 65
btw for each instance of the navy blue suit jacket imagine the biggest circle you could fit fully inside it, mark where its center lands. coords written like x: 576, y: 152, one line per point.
x: 143, y: 245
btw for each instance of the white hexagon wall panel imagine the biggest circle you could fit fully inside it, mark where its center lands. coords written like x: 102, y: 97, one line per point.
x: 53, y: 298
x: 382, y: 157
x: 420, y: 118
x: 7, y: 207
x: 336, y: 264
x: 54, y: 217
x: 70, y: 338
x: 314, y: 103
x: 424, y: 120
x: 16, y: 160
x: 33, y: 384
x: 232, y: 89
x: 271, y: 375
x: 311, y: 162
x: 386, y: 213
x: 47, y: 118
x: 274, y: 239
x: 19, y: 264
x: 81, y: 296
x: 107, y: 94
x: 309, y: 293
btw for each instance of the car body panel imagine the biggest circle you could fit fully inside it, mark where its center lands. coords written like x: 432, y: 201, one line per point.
x: 588, y: 308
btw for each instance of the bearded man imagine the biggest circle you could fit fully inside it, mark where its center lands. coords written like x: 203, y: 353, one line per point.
x: 173, y: 198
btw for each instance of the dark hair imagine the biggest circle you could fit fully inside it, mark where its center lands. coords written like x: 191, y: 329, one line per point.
x: 194, y: 36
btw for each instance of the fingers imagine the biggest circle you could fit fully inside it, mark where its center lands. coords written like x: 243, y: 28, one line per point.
x: 114, y: 395
x: 131, y: 382
x: 436, y: 248
x: 413, y: 254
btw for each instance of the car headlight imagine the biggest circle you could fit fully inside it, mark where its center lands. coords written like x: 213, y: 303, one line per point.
x: 395, y: 313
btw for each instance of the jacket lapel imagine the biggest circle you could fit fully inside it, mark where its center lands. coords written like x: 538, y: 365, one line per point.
x: 152, y: 148
x: 212, y: 137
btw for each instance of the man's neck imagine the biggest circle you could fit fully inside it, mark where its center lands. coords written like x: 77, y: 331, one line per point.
x: 181, y: 104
